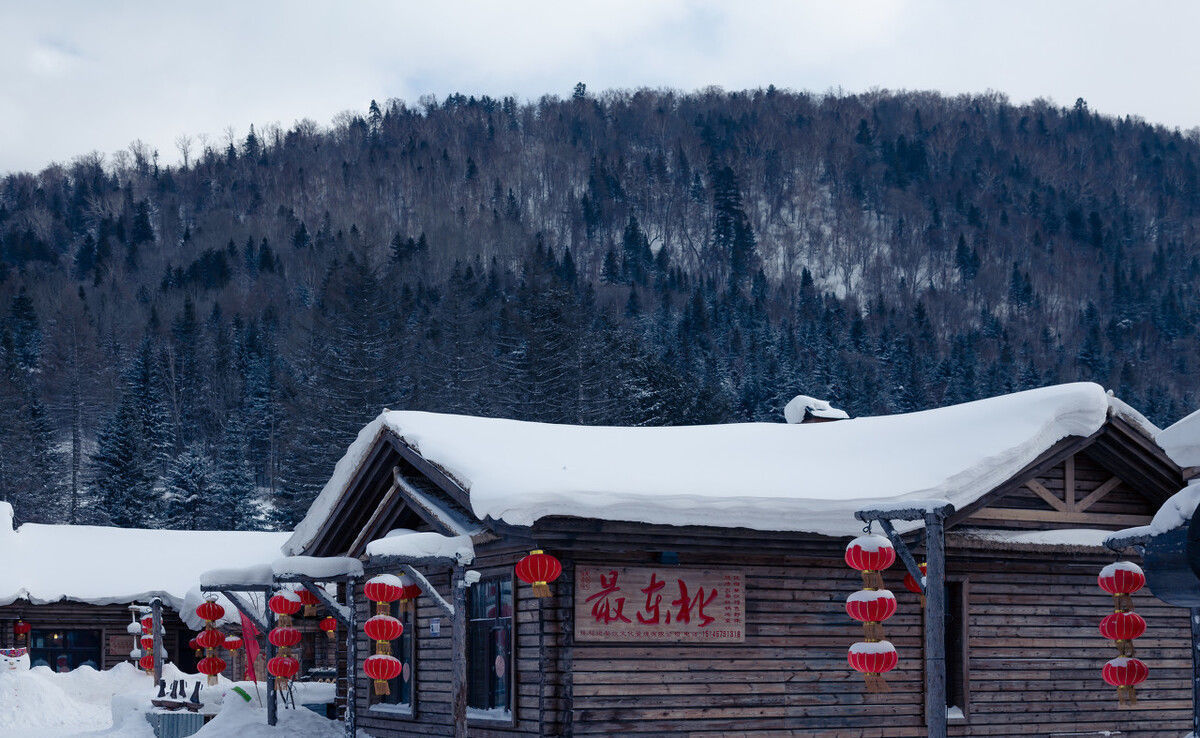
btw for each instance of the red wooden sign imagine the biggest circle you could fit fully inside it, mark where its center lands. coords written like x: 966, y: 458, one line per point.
x: 659, y: 604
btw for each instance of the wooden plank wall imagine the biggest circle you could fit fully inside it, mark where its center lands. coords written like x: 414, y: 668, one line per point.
x: 111, y: 620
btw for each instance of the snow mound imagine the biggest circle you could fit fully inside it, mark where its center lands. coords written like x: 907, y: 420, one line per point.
x: 764, y: 476
x: 41, y: 702
x: 424, y: 544
x: 802, y: 407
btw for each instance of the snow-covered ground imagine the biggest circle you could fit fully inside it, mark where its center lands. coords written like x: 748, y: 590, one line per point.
x: 40, y: 703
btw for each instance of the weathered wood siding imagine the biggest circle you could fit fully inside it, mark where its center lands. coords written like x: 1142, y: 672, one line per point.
x: 110, y: 620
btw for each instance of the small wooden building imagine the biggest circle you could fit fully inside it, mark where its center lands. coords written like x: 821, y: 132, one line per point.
x: 74, y: 585
x: 703, y: 582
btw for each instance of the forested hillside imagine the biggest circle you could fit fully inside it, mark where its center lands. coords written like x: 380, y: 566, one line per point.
x: 194, y: 345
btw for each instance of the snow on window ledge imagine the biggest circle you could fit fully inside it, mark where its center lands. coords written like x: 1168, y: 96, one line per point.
x: 491, y: 714
x: 954, y: 712
x: 396, y: 710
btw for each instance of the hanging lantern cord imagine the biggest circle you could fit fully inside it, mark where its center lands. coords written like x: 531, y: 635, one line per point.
x: 867, y: 528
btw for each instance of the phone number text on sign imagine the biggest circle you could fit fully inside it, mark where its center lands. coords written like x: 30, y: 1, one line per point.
x: 659, y: 604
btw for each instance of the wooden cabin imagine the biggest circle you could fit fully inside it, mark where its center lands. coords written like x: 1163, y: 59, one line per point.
x: 74, y: 585
x: 703, y: 587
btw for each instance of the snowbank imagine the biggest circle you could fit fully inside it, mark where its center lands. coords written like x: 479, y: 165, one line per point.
x: 764, y: 476
x: 803, y: 406
x: 1088, y: 537
x: 425, y: 544
x: 102, y: 566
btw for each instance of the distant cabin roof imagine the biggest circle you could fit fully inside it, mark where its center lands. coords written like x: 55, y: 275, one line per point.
x: 764, y: 476
x: 100, y: 565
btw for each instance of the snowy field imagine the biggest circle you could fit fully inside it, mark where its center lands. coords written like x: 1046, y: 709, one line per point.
x: 40, y: 703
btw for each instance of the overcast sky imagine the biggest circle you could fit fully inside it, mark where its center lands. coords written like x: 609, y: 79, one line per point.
x: 85, y: 76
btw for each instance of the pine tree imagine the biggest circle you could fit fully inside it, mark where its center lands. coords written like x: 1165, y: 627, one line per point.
x: 125, y: 491
x: 189, y: 499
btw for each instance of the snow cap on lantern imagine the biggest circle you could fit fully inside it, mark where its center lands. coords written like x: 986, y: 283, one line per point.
x: 873, y: 660
x: 232, y: 643
x: 870, y: 555
x: 871, y: 607
x: 1125, y: 673
x: 538, y: 569
x: 1121, y: 579
x: 382, y: 589
x: 382, y: 668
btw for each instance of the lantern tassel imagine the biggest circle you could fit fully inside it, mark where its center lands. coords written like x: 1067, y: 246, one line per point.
x: 871, y: 579
x: 381, y: 608
x: 331, y: 634
x: 872, y: 631
x: 381, y: 688
x: 310, y: 610
x: 1122, y: 602
x: 1125, y: 648
x: 1126, y: 696
x: 383, y: 647
x: 876, y: 684
x: 541, y: 589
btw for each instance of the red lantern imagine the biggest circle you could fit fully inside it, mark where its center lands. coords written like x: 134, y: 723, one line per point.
x: 147, y: 642
x: 212, y: 666
x: 21, y: 630
x: 383, y: 588
x: 232, y: 643
x: 210, y: 638
x: 329, y: 624
x: 871, y: 607
x: 195, y: 646
x: 1120, y: 580
x: 1123, y: 627
x: 1124, y: 674
x: 412, y: 591
x: 310, y: 602
x: 285, y: 603
x: 539, y: 569
x: 147, y: 623
x: 873, y: 660
x: 147, y: 662
x: 870, y: 555
x: 208, y: 611
x: 382, y: 668
x: 283, y: 668
x: 284, y: 637
x: 382, y: 629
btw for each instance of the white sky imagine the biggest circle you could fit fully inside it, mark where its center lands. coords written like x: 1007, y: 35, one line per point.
x: 84, y: 76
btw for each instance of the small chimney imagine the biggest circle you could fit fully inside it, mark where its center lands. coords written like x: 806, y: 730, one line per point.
x: 805, y: 409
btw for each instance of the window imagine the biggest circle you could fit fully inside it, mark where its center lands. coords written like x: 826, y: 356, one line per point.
x: 64, y: 650
x: 404, y: 648
x: 489, y: 648
x: 957, y: 673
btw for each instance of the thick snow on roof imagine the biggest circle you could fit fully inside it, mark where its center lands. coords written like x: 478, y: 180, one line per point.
x: 1181, y: 440
x: 102, y: 566
x: 424, y: 544
x: 803, y: 406
x: 765, y: 476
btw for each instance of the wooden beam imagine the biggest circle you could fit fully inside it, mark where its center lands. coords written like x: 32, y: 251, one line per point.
x: 444, y: 521
x: 1040, y: 490
x: 1097, y: 493
x: 368, y: 528
x: 428, y: 588
x: 338, y: 611
x: 1050, y: 516
x: 245, y: 609
x: 1069, y: 481
x: 351, y: 661
x: 458, y: 652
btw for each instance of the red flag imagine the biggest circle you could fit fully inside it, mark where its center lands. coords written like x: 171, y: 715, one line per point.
x: 250, y: 638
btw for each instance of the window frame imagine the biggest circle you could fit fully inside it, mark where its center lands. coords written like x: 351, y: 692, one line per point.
x: 376, y: 703
x: 511, y: 720
x: 962, y: 583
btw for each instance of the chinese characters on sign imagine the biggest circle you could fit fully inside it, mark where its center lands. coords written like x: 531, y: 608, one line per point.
x: 659, y: 604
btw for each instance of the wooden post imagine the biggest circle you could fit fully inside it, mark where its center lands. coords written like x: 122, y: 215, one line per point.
x: 272, y: 701
x: 1195, y: 613
x: 157, y: 630
x: 351, y: 659
x: 458, y: 652
x: 935, y: 625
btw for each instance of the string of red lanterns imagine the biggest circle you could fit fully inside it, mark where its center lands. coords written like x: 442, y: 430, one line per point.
x: 1121, y: 579
x: 382, y: 667
x: 872, y: 605
x: 284, y: 603
x: 210, y: 638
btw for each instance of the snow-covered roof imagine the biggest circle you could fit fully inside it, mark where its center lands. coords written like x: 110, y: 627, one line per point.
x: 1181, y: 440
x: 763, y: 476
x: 801, y: 407
x: 424, y: 544
x: 102, y: 566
